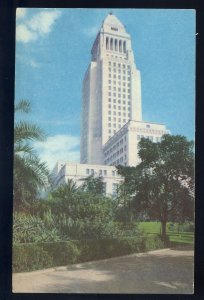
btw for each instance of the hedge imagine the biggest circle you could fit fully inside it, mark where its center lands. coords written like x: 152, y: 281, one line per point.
x: 34, y: 256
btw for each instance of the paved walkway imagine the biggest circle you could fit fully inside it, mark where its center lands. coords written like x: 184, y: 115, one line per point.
x: 161, y: 271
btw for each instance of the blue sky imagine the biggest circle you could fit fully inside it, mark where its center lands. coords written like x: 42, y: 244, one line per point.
x: 52, y: 54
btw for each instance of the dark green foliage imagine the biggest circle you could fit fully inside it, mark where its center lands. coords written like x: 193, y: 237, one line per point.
x: 162, y: 185
x: 154, y: 242
x: 93, y: 185
x: 83, y: 215
x: 63, y: 253
x: 29, y: 257
x: 30, y: 173
x: 29, y: 229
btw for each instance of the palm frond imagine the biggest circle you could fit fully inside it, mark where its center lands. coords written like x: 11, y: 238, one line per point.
x: 23, y: 106
x: 23, y: 148
x: 26, y: 131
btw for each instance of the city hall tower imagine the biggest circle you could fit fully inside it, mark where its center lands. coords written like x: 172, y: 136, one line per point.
x: 111, y: 90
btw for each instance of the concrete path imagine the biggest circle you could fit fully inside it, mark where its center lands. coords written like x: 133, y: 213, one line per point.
x: 161, y: 271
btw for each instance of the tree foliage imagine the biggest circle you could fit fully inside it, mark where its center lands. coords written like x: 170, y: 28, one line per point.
x: 30, y: 173
x: 162, y: 185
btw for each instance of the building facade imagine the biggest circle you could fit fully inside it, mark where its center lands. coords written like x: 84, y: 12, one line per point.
x: 78, y: 172
x: 112, y: 124
x: 111, y: 90
x: 122, y: 148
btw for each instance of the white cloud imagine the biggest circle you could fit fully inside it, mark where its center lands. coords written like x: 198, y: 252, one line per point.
x: 30, y: 62
x: 20, y: 13
x: 24, y: 35
x: 91, y: 31
x: 42, y: 22
x: 39, y: 25
x: 58, y: 147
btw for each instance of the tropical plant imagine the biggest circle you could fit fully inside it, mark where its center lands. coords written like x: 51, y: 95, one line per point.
x: 30, y: 173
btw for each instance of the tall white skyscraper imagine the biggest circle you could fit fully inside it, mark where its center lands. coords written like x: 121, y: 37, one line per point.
x: 112, y: 124
x: 111, y: 90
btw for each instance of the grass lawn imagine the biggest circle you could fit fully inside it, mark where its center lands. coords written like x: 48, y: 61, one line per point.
x: 174, y: 232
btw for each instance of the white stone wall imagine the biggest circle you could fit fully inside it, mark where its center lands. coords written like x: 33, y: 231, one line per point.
x: 77, y: 172
x: 113, y: 89
x: 122, y: 148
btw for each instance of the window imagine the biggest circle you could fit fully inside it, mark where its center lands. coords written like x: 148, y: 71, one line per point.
x: 109, y: 81
x: 105, y: 172
x: 113, y: 173
x: 109, y: 106
x: 109, y: 131
x: 109, y: 124
x: 147, y: 126
x: 109, y: 63
x: 114, y: 64
x: 114, y: 100
x: 109, y: 93
x: 100, y: 172
x: 87, y: 171
x: 109, y: 112
x: 107, y: 45
x: 119, y: 101
x: 92, y: 171
x: 114, y: 106
x: 109, y: 99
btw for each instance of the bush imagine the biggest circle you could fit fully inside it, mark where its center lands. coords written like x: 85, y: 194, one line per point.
x: 63, y: 253
x: 106, y: 248
x: 31, y: 229
x: 153, y: 243
x: 29, y: 257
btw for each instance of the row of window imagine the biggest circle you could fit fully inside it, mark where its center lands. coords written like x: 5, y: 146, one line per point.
x: 114, y: 70
x: 119, y: 89
x: 118, y: 107
x: 151, y: 138
x: 115, y: 146
x: 119, y: 101
x: 100, y: 172
x: 117, y: 162
x: 115, y: 45
x: 119, y: 95
x: 119, y: 77
x: 117, y: 120
x: 114, y: 64
x: 119, y: 83
x: 119, y: 113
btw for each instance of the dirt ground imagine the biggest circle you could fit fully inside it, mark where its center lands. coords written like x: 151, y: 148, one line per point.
x: 162, y: 271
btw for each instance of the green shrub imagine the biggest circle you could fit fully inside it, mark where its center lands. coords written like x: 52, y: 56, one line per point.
x: 153, y: 243
x: 29, y: 257
x: 63, y: 253
x: 106, y: 248
x: 31, y: 229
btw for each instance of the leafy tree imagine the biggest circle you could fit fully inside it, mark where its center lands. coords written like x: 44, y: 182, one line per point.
x: 93, y: 185
x: 162, y: 185
x: 30, y: 173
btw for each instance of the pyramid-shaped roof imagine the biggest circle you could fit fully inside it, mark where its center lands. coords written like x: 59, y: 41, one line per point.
x: 112, y: 20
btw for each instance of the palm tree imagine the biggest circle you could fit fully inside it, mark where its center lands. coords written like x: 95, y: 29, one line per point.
x: 29, y: 172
